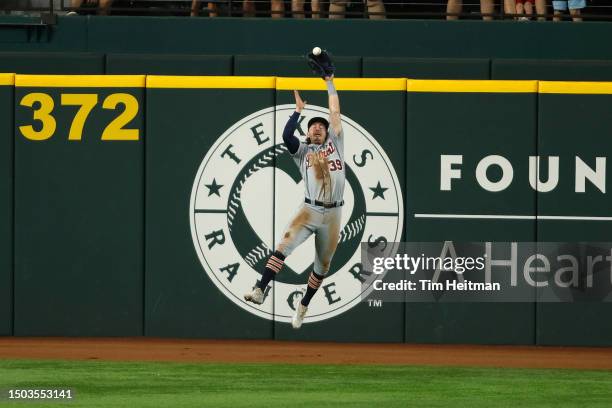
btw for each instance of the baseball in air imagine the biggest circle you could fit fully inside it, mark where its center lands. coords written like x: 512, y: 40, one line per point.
x: 316, y: 51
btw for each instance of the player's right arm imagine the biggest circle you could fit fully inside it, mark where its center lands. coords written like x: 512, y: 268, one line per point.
x: 291, y: 141
x: 334, y: 106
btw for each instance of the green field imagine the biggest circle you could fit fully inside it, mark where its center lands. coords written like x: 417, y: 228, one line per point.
x: 121, y: 384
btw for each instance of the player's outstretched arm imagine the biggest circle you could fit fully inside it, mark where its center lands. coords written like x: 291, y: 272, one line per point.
x: 291, y: 141
x: 334, y: 106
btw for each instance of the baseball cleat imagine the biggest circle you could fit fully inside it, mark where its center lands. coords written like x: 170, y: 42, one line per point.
x: 298, y: 316
x: 256, y: 296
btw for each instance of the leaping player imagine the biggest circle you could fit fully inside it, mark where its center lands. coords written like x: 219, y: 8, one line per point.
x: 321, y: 162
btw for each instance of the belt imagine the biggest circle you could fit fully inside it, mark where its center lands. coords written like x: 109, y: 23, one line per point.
x: 322, y: 204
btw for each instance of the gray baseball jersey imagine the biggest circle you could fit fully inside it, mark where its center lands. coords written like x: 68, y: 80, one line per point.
x: 322, y: 168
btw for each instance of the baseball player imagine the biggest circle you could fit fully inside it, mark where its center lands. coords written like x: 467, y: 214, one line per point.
x: 321, y: 162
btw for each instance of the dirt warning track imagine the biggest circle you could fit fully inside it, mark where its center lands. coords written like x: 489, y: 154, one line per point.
x: 268, y: 351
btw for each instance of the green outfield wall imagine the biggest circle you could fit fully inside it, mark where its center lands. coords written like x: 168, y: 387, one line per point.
x: 350, y: 37
x: 585, y: 108
x: 6, y: 204
x: 292, y: 65
x: 420, y: 49
x: 474, y: 121
x: 147, y: 205
x: 79, y: 200
x: 181, y: 299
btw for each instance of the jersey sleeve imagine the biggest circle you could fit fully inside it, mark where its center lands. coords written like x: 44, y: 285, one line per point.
x: 300, y: 154
x: 338, y: 140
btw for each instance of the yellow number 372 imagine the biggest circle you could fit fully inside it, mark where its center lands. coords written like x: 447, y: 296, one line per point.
x: 114, y: 131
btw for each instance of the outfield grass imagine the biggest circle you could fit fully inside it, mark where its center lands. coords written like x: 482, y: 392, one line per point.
x: 129, y: 384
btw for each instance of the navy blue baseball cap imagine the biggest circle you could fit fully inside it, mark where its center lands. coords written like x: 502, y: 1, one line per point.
x: 320, y: 120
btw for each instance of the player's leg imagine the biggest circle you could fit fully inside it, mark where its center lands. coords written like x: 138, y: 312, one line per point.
x: 300, y: 227
x: 326, y: 242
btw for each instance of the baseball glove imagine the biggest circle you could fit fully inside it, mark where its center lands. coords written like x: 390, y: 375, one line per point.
x: 321, y: 64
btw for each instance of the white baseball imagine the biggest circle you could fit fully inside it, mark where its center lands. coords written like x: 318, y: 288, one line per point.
x: 316, y: 51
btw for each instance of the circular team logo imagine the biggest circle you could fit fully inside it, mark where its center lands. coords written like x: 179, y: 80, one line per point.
x: 248, y: 188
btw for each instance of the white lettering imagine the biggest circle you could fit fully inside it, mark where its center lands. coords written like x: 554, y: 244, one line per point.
x: 512, y: 262
x: 597, y: 177
x: 507, y: 173
x: 528, y: 269
x: 534, y: 174
x: 572, y: 269
x: 447, y: 173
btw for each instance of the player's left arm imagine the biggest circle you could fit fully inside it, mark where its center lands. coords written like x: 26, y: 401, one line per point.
x: 334, y: 106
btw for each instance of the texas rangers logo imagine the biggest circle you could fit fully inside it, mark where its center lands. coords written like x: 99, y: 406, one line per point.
x: 244, y: 193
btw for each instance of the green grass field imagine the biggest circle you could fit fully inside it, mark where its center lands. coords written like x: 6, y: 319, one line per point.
x: 119, y: 384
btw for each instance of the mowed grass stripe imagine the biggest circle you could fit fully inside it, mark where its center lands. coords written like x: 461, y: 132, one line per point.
x: 130, y: 384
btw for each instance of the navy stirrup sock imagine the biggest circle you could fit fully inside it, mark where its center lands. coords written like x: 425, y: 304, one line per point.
x: 314, y: 281
x: 274, y: 265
